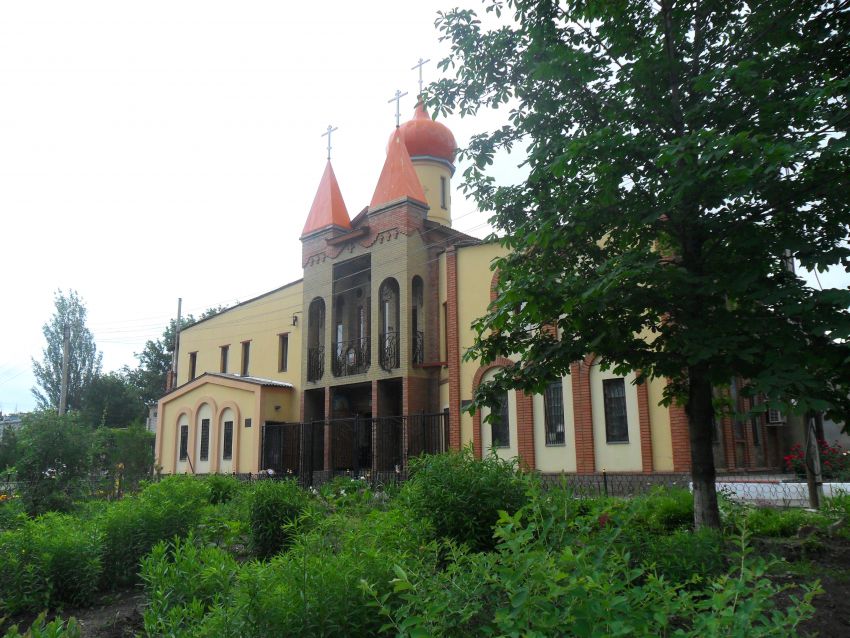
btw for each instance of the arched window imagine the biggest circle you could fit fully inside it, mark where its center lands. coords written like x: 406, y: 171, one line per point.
x: 389, y: 338
x: 316, y: 340
x: 417, y: 321
x: 501, y: 423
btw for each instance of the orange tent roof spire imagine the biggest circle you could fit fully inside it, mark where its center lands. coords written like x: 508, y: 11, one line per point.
x: 328, y: 207
x: 398, y: 177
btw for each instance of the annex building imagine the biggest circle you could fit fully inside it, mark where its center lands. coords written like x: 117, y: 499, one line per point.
x: 358, y: 366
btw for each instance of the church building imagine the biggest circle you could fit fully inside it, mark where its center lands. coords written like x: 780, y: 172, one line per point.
x: 358, y: 366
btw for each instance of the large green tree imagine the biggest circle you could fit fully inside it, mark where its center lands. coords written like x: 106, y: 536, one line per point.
x: 155, y: 358
x: 113, y: 400
x: 681, y: 156
x: 84, y: 361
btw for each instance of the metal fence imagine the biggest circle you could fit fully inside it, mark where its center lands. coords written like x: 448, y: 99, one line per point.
x: 376, y: 449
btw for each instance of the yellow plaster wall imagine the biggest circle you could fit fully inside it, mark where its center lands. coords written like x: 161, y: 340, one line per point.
x: 429, y: 172
x: 615, y: 457
x: 555, y: 458
x: 473, y: 291
x: 259, y: 321
x: 282, y: 397
x: 662, y: 440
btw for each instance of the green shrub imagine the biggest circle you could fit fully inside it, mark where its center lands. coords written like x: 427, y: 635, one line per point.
x: 589, y: 588
x: 132, y: 526
x: 314, y: 589
x: 54, y: 461
x: 48, y: 562
x: 274, y: 507
x: 183, y: 582
x: 770, y: 522
x: 222, y: 488
x: 664, y: 510
x: 462, y: 496
x: 684, y: 554
x: 12, y: 514
x: 350, y: 494
x: 40, y: 628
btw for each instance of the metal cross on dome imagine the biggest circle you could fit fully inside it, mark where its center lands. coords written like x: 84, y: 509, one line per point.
x: 397, y: 100
x: 419, y: 66
x: 330, y: 130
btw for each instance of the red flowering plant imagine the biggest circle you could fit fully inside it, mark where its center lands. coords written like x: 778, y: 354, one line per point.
x: 834, y: 460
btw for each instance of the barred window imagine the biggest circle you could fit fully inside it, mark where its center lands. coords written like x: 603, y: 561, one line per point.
x: 205, y: 439
x: 227, y: 448
x: 553, y: 399
x: 616, y: 421
x: 184, y: 442
x: 501, y: 423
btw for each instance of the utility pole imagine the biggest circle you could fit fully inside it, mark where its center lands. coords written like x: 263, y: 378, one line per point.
x: 175, y: 354
x: 66, y: 351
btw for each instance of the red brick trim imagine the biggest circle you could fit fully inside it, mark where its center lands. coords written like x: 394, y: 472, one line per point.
x: 525, y: 430
x: 680, y: 438
x: 645, y: 428
x: 453, y: 347
x: 583, y: 417
x: 494, y: 284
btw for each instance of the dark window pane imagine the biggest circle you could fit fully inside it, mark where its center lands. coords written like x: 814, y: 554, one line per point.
x: 501, y: 425
x: 227, y: 448
x: 284, y: 352
x: 246, y: 353
x: 184, y: 442
x: 616, y: 422
x: 205, y: 439
x: 554, y: 401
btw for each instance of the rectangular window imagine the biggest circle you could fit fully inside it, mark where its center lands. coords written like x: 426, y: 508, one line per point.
x: 184, y: 442
x: 553, y: 399
x: 246, y: 353
x: 247, y: 423
x: 444, y: 204
x: 205, y: 439
x: 616, y: 422
x: 282, y: 351
x: 227, y: 447
x: 501, y: 424
x: 225, y: 350
x: 193, y: 363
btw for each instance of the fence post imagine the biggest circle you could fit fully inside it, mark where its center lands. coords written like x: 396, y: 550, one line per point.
x: 605, y: 481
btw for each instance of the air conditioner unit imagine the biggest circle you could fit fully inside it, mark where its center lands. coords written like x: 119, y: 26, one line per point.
x: 775, y: 417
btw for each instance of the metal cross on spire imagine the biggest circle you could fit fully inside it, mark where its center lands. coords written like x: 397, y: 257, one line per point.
x: 419, y: 66
x: 397, y: 100
x: 330, y: 130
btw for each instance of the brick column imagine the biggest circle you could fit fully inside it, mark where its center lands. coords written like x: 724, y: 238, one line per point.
x: 453, y: 348
x: 645, y: 428
x: 583, y: 418
x: 525, y: 430
x: 328, y: 466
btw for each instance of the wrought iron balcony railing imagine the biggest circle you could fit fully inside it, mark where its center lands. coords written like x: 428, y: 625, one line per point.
x: 418, y: 353
x: 351, y: 357
x: 388, y: 351
x: 315, y: 363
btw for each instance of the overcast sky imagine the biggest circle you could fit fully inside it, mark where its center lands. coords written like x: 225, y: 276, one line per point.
x: 155, y: 150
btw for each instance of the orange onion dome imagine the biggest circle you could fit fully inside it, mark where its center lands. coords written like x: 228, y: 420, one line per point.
x: 424, y: 136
